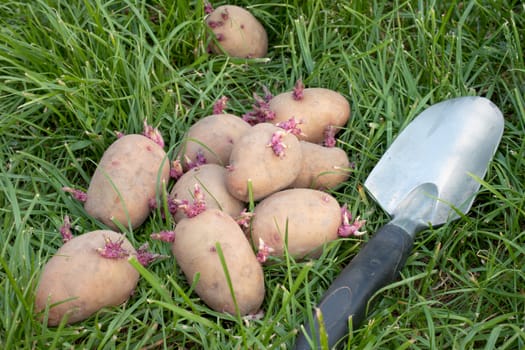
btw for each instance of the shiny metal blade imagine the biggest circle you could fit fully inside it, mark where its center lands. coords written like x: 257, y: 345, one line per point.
x: 449, y: 144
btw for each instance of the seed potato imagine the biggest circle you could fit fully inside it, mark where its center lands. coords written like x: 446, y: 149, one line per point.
x: 77, y: 281
x: 322, y: 167
x: 254, y: 160
x: 214, y: 137
x: 303, y: 218
x: 195, y: 250
x: 237, y: 32
x: 316, y: 108
x: 125, y: 180
x: 212, y: 180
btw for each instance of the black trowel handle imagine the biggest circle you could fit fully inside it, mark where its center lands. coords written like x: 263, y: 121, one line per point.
x: 377, y: 264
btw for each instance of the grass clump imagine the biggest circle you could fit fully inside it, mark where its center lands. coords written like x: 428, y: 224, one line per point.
x: 74, y: 72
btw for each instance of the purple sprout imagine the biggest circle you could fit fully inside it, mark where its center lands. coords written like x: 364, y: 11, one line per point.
x: 220, y: 105
x: 263, y: 251
x: 164, y: 236
x: 291, y: 126
x: 350, y: 229
x: 172, y: 205
x: 329, y: 136
x: 152, y: 203
x: 225, y: 14
x: 153, y: 134
x: 145, y: 256
x: 261, y: 112
x: 65, y: 230
x: 113, y: 250
x: 208, y: 8
x: 196, y: 207
x: 298, y: 90
x: 176, y: 170
x: 244, y: 219
x: 79, y: 195
x: 267, y: 94
x: 200, y: 159
x: 215, y: 24
x: 277, y: 144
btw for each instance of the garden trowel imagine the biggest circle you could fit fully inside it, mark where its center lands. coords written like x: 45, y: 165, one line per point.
x: 427, y: 177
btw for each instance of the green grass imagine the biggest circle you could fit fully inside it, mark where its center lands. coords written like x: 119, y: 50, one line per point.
x: 73, y: 72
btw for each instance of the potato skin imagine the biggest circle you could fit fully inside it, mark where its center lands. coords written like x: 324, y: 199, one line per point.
x: 311, y: 216
x: 212, y: 180
x: 78, y: 271
x: 253, y: 159
x: 130, y: 169
x: 194, y: 249
x: 319, y: 108
x: 323, y: 167
x: 238, y: 32
x: 214, y: 136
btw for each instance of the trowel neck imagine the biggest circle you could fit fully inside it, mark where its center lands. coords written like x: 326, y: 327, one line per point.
x: 414, y: 213
x: 410, y: 226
